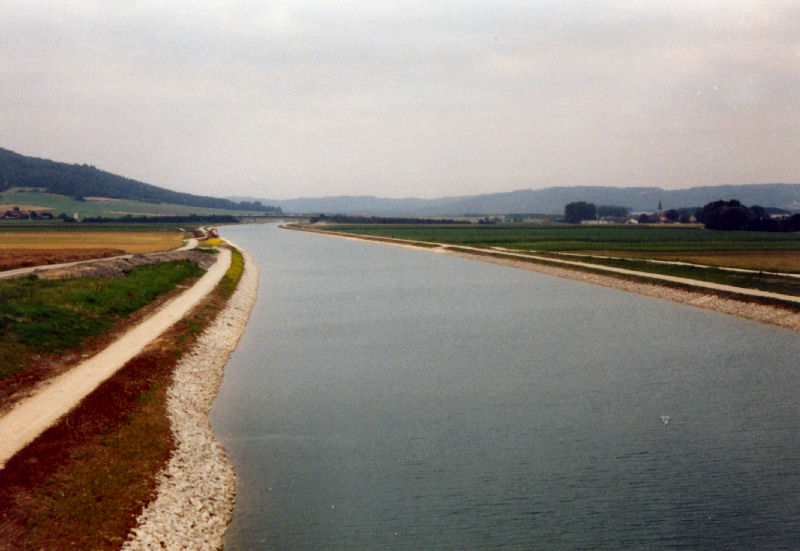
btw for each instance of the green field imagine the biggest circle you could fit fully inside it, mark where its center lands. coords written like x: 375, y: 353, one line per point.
x: 600, y: 239
x: 33, y: 199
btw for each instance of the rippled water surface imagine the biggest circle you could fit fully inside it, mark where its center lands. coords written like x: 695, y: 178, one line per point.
x: 383, y: 398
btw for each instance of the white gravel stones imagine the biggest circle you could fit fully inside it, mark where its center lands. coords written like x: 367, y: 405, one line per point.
x: 765, y: 313
x: 196, y: 490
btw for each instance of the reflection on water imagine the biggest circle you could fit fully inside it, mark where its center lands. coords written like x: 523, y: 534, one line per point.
x: 384, y: 398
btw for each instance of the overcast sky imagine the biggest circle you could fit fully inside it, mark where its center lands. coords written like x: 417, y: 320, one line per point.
x: 431, y: 98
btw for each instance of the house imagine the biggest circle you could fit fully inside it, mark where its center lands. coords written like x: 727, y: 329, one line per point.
x: 16, y: 214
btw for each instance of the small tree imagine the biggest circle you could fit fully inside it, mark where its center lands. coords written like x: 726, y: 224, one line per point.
x: 612, y: 210
x: 579, y: 210
x: 724, y: 215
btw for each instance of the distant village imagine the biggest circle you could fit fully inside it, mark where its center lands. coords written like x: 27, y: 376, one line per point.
x: 658, y: 217
x: 17, y: 213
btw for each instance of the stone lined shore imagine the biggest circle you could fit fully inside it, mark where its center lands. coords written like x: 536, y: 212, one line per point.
x: 788, y: 318
x: 765, y: 313
x: 196, y: 490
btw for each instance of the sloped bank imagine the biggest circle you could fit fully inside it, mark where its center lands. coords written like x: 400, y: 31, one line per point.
x: 196, y: 490
x: 775, y: 314
x: 785, y: 317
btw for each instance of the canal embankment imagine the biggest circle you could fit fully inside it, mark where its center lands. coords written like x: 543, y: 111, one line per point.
x: 724, y: 299
x: 195, y: 492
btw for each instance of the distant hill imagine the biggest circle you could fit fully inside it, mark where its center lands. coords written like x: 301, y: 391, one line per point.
x: 79, y: 181
x: 548, y: 200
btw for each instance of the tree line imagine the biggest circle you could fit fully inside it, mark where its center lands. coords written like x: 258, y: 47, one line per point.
x: 577, y: 211
x: 718, y: 215
x: 733, y: 216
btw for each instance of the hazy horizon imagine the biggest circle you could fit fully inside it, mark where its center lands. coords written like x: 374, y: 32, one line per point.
x: 406, y: 100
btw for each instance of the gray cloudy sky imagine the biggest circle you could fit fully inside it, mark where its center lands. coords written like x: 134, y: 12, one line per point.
x: 430, y: 98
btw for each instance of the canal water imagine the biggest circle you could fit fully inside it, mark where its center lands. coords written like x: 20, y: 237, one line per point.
x: 385, y: 398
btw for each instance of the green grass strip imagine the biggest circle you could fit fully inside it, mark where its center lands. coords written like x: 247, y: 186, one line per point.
x: 55, y: 315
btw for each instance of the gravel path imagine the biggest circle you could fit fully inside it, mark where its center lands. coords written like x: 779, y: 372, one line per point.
x: 774, y: 315
x: 196, y: 490
x: 29, y: 418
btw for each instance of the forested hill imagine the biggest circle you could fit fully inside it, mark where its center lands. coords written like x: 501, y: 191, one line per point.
x: 548, y: 200
x: 76, y: 180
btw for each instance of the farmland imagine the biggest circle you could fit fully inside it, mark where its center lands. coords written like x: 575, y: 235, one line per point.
x: 750, y: 250
x: 754, y: 260
x: 34, y: 199
x: 34, y: 243
x: 127, y: 241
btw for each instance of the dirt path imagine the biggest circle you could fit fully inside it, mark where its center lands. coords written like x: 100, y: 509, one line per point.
x: 17, y: 272
x: 29, y: 418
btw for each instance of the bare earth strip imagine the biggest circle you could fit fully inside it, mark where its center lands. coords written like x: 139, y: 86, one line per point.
x: 696, y: 296
x: 18, y: 272
x: 195, y: 492
x: 30, y: 418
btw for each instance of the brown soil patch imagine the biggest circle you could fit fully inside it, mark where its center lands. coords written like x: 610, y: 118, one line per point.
x: 82, y: 483
x: 23, y: 258
x: 128, y: 241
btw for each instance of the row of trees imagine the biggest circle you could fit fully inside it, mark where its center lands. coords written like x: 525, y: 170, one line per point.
x: 581, y: 210
x: 718, y: 215
x: 733, y: 216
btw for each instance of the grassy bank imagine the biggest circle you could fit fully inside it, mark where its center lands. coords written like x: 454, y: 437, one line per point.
x: 82, y: 484
x: 51, y: 316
